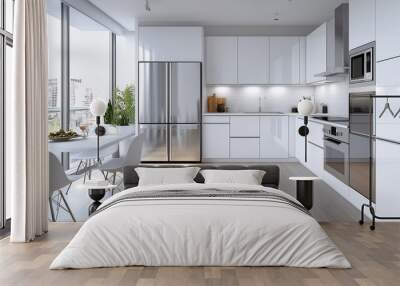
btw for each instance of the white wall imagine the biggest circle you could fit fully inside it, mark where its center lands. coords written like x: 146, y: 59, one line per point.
x: 335, y: 95
x: 273, y: 98
x: 126, y: 59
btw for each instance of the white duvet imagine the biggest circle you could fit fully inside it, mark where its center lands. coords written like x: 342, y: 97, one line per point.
x: 192, y: 231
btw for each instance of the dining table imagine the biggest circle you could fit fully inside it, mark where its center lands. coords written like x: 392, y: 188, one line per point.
x: 88, y: 144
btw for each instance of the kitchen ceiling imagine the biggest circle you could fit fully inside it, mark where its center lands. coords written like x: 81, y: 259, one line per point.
x: 219, y: 12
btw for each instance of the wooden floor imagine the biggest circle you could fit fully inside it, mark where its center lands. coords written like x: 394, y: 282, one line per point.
x: 375, y: 257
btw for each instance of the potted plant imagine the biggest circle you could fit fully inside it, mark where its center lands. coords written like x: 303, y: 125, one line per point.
x: 108, y: 116
x: 124, y: 108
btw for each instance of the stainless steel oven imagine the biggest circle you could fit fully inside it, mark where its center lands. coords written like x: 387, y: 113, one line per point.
x: 362, y: 64
x: 336, y: 152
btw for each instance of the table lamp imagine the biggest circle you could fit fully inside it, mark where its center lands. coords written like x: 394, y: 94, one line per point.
x: 305, y: 108
x: 98, y: 108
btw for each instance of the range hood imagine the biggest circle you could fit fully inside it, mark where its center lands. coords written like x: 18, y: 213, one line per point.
x: 337, y: 43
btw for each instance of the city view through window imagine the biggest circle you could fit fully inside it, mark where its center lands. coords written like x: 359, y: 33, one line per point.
x: 89, y: 68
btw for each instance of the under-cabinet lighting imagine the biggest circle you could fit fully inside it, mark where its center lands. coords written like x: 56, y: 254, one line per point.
x: 222, y: 89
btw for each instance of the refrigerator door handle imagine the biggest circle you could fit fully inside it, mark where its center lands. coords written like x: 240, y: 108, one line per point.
x: 170, y: 142
x: 170, y: 92
x: 167, y: 77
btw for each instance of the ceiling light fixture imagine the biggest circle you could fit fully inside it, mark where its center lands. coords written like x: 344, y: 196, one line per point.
x: 147, y: 6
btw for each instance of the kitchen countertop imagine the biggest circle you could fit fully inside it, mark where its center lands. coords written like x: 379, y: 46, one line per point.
x: 337, y: 124
x: 248, y: 114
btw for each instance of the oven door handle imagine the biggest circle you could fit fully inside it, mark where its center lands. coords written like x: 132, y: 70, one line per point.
x: 334, y: 141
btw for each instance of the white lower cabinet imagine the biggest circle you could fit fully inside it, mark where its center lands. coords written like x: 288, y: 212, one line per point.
x: 274, y: 137
x: 216, y: 141
x: 292, y: 136
x: 387, y: 178
x: 299, y: 142
x: 245, y: 148
x: 249, y: 137
x: 245, y: 126
x: 315, y: 159
x: 316, y: 134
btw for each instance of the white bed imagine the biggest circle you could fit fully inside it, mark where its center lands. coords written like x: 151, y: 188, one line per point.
x: 202, y: 231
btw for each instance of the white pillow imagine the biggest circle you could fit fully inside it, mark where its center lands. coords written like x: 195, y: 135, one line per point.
x: 248, y: 177
x: 166, y: 176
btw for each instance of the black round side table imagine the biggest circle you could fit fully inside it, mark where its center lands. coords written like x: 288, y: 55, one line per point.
x: 304, y: 190
x: 96, y: 193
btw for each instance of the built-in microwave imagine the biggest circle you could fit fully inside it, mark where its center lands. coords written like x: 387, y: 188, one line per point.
x: 362, y: 64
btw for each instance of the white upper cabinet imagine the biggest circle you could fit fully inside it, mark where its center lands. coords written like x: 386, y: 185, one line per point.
x: 252, y: 60
x: 171, y: 44
x: 284, y: 60
x: 387, y: 27
x: 303, y: 63
x: 316, y: 54
x: 362, y: 22
x: 221, y: 60
x: 387, y: 77
x: 274, y: 137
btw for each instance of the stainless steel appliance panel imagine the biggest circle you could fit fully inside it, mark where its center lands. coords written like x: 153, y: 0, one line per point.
x: 362, y: 64
x: 185, y: 143
x: 185, y: 90
x: 361, y: 112
x: 360, y: 163
x: 361, y: 150
x: 337, y: 158
x: 153, y: 92
x: 155, y: 145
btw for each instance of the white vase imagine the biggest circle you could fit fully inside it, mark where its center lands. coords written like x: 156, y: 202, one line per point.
x: 305, y: 107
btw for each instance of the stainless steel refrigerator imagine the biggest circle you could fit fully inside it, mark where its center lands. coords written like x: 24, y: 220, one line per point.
x: 169, y: 107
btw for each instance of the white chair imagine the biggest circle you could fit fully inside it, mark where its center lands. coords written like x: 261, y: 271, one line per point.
x: 89, y: 159
x: 130, y: 156
x: 58, y: 180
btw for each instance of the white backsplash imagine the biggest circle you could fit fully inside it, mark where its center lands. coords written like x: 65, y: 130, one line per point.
x: 335, y: 95
x: 283, y: 98
x: 273, y: 98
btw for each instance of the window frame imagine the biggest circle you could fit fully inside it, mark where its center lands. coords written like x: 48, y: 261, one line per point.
x: 6, y: 39
x: 65, y: 70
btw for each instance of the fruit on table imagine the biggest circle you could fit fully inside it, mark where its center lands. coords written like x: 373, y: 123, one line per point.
x: 63, y: 134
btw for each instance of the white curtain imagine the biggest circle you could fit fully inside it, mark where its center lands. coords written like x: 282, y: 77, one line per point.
x: 26, y: 131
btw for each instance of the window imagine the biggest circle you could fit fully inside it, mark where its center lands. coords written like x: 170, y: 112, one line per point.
x: 6, y: 65
x: 89, y: 66
x: 54, y: 68
x: 83, y: 64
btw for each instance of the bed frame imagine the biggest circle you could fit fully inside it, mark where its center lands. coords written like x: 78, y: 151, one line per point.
x: 270, y: 179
